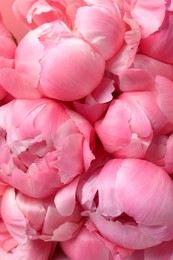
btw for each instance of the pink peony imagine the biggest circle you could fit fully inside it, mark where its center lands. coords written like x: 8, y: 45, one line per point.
x: 56, y: 218
x: 118, y: 200
x: 45, y: 145
x: 48, y: 68
x: 10, y: 248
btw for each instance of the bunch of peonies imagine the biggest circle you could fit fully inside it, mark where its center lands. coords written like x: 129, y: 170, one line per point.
x: 86, y: 130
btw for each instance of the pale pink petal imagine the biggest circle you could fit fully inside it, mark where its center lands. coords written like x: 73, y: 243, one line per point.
x: 65, y: 198
x: 32, y: 209
x: 155, y: 11
x: 102, y: 94
x: 13, y: 217
x: 124, y: 58
x: 62, y: 227
x: 66, y: 231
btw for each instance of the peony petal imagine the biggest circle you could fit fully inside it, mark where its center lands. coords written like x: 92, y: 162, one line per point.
x: 86, y: 245
x: 155, y: 11
x: 65, y: 198
x: 136, y: 80
x: 69, y: 82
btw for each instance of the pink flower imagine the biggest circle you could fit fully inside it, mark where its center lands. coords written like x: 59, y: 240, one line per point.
x: 61, y: 65
x: 121, y: 202
x: 45, y: 145
x: 56, y: 218
x: 10, y: 248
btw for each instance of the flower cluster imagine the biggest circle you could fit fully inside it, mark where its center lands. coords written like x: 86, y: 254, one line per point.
x: 86, y: 130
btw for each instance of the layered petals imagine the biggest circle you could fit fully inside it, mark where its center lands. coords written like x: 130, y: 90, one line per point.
x: 33, y: 219
x: 121, y: 117
x: 119, y: 207
x: 38, y: 160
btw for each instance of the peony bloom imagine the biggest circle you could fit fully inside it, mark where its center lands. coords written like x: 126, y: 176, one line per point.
x: 56, y: 218
x: 44, y: 144
x: 120, y: 201
x: 7, y: 52
x: 54, y: 62
x: 12, y: 248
